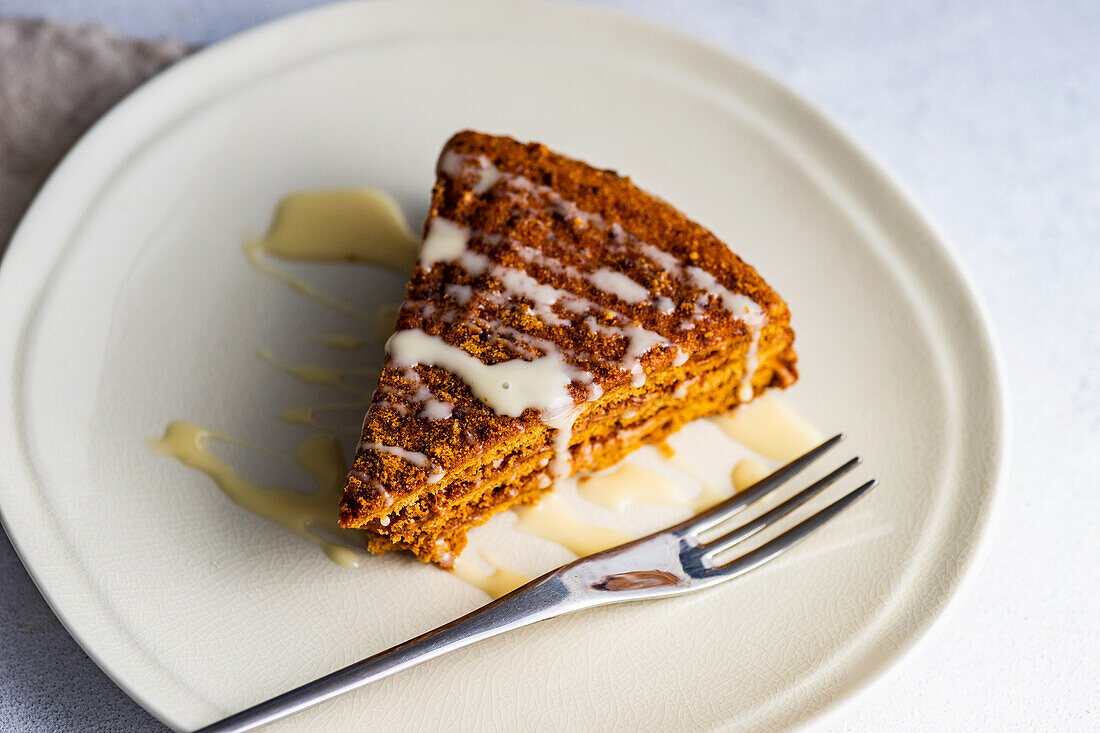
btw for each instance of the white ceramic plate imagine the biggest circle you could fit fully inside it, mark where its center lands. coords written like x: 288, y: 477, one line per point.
x: 125, y: 302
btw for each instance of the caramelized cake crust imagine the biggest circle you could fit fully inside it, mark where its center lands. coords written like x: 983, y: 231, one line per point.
x: 558, y: 318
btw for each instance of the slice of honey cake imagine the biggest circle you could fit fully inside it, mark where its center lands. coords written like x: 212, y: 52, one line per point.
x: 558, y: 318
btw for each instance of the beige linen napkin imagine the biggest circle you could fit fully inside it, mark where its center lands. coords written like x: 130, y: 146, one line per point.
x: 55, y: 81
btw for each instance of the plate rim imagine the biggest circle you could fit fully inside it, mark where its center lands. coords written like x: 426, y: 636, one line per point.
x: 387, y: 17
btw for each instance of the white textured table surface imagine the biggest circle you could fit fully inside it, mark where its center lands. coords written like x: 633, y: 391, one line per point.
x: 989, y: 114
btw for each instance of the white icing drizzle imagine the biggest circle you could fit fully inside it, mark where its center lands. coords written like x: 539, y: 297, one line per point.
x: 539, y: 346
x: 460, y: 293
x: 619, y: 285
x: 436, y: 410
x: 445, y: 241
x: 668, y: 262
x: 738, y: 304
x: 639, y: 342
x: 454, y: 165
x: 579, y: 304
x: 488, y: 177
x: 429, y: 407
x: 414, y: 457
x: 509, y: 387
x: 517, y: 283
x: 473, y: 262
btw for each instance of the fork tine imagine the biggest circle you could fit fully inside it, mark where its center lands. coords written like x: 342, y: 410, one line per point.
x: 748, y: 530
x: 726, y: 509
x: 785, y: 541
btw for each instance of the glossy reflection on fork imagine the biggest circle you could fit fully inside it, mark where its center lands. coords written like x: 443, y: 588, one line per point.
x: 680, y: 559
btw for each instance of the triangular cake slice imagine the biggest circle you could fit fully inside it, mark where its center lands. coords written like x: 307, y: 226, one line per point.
x: 558, y: 318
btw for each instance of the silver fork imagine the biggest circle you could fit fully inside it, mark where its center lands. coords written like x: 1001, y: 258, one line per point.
x: 673, y: 561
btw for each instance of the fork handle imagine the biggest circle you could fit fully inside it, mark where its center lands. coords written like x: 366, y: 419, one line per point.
x: 543, y: 598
